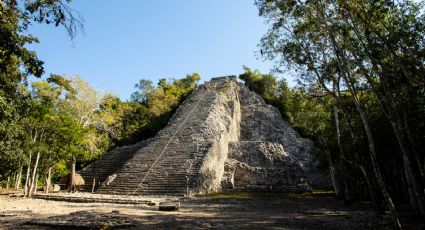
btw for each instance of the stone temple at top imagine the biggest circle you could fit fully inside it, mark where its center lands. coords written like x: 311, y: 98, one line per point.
x: 223, y: 137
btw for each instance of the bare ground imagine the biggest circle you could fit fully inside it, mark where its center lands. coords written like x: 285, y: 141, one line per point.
x: 220, y: 211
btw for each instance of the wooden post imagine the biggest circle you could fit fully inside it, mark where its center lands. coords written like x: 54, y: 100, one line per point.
x: 94, y: 183
x: 187, y: 186
x: 72, y: 181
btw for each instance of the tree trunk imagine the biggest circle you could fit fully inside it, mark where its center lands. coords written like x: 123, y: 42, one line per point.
x: 72, y: 182
x: 374, y: 161
x: 332, y: 173
x: 390, y: 108
x: 28, y: 189
x: 7, y: 183
x: 416, y: 190
x: 94, y: 183
x: 34, y: 172
x: 35, y: 184
x: 412, y: 143
x: 347, y: 192
x: 15, y: 174
x: 18, y: 179
x: 338, y: 135
x: 346, y: 75
x: 375, y: 201
x: 27, y: 177
x: 48, y: 179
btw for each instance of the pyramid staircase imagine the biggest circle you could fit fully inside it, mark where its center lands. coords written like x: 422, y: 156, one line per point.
x: 108, y: 164
x: 169, y: 163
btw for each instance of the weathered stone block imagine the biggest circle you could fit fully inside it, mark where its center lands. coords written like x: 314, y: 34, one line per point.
x: 52, y: 188
x: 169, y: 206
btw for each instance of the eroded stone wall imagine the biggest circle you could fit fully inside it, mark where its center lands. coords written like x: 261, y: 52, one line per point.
x: 220, y: 127
x: 262, y: 166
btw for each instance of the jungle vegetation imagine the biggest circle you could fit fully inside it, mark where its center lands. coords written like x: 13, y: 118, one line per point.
x: 360, y: 96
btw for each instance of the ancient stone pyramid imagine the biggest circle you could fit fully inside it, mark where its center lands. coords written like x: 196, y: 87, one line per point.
x: 223, y: 137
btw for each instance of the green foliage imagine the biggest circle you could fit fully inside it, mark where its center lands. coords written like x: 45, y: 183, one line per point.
x: 148, y: 111
x: 15, y: 18
x: 143, y: 88
x: 311, y: 115
x: 13, y: 54
x: 263, y: 84
x: 308, y: 113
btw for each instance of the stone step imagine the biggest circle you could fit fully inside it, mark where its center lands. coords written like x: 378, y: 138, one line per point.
x: 171, y: 193
x: 134, y: 190
x: 148, y: 183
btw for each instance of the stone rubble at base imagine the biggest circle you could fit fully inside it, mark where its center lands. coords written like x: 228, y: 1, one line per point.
x: 223, y: 137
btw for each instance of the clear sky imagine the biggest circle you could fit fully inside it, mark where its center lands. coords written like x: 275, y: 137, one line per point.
x: 129, y: 40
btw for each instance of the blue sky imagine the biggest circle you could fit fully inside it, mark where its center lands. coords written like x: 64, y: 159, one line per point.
x: 129, y: 40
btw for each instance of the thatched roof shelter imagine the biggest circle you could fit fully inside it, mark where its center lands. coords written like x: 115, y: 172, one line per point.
x: 79, y: 181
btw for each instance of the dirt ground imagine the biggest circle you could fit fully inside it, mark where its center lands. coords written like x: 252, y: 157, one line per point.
x: 221, y: 211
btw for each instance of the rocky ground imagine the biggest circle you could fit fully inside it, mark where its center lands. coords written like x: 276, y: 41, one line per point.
x: 221, y: 211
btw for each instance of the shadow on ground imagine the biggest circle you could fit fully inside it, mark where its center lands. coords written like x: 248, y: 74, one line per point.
x: 220, y: 211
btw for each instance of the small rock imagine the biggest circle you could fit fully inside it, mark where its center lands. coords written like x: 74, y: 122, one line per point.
x: 56, y: 188
x: 206, y: 225
x: 5, y: 214
x: 151, y: 203
x: 169, y: 206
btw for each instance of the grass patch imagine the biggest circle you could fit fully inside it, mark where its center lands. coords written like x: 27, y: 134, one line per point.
x: 267, y: 195
x: 313, y: 194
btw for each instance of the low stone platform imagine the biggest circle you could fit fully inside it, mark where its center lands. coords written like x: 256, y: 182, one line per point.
x: 92, y: 199
x: 85, y: 220
x: 169, y: 206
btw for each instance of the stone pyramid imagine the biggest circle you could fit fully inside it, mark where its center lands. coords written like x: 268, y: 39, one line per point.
x: 223, y: 137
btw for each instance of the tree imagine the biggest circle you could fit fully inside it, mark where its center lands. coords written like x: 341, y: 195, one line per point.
x: 360, y: 48
x: 263, y: 84
x: 16, y: 64
x: 15, y: 18
x: 144, y: 87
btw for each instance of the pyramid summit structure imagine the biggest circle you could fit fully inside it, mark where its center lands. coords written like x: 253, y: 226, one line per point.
x: 223, y: 137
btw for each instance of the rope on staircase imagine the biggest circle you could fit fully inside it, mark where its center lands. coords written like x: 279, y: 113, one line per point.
x: 169, y: 141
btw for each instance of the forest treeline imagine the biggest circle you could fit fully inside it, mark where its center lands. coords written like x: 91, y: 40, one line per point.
x: 360, y: 65
x: 55, y: 123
